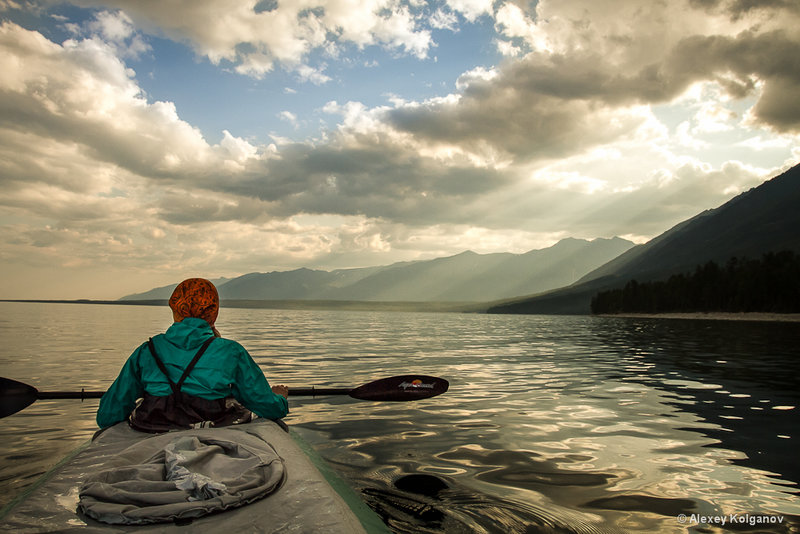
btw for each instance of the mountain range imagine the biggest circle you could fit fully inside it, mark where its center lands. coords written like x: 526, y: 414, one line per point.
x: 465, y: 277
x: 557, y: 280
x: 763, y: 219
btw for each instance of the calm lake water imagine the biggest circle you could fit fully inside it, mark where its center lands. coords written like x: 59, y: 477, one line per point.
x: 551, y: 424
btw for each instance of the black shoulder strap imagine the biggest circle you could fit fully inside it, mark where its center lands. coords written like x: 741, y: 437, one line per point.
x: 194, y: 361
x: 177, y: 387
x: 160, y: 364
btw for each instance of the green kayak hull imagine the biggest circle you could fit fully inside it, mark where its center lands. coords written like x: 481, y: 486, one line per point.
x: 311, y: 499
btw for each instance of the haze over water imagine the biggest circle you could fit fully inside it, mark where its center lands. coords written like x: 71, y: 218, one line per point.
x: 579, y: 424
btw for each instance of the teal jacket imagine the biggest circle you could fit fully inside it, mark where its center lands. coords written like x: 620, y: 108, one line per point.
x: 226, y: 369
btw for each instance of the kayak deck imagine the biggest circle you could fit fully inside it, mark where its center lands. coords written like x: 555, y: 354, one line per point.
x: 307, y: 502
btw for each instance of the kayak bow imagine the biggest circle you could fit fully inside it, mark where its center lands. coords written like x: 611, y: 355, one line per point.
x: 308, y: 500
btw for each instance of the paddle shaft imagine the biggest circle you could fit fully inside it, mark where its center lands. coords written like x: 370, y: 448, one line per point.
x: 16, y: 396
x: 45, y: 395
x: 314, y: 391
x: 293, y: 392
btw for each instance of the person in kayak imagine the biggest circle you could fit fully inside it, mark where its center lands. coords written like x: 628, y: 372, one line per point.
x: 190, y: 376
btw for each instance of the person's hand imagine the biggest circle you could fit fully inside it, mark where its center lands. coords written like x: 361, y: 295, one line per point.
x: 281, y: 390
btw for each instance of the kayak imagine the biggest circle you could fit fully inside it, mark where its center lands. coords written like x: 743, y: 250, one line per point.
x: 258, y: 477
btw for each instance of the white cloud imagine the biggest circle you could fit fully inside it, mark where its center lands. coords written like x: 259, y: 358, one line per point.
x: 561, y: 141
x: 309, y: 74
x: 513, y: 23
x: 84, y: 95
x: 478, y: 74
x: 115, y: 29
x: 471, y: 9
x: 288, y: 116
x: 714, y: 117
x: 507, y: 49
x: 254, y: 42
x: 444, y: 20
x: 234, y: 150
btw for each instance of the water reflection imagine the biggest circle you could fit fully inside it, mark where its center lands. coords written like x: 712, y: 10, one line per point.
x: 596, y: 431
x: 741, y: 379
x: 551, y: 424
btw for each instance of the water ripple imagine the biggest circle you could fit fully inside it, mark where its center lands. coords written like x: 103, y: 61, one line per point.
x: 551, y: 424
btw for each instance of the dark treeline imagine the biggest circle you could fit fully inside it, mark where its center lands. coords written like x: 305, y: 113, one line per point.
x: 771, y: 284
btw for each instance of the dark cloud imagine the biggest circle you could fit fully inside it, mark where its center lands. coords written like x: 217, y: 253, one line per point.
x: 552, y: 105
x: 773, y: 58
x: 739, y: 8
x: 379, y: 180
x: 518, y: 120
x: 190, y: 208
x: 780, y: 105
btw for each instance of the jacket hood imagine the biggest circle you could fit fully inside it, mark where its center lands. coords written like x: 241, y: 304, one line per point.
x: 189, y: 334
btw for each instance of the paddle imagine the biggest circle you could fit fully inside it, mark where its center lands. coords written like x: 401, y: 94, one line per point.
x: 16, y: 396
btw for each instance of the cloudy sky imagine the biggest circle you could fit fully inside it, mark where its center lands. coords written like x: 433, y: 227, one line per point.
x: 142, y: 142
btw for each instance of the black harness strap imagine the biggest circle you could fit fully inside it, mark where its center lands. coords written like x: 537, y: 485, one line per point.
x: 177, y: 387
x: 161, y: 365
x: 194, y: 361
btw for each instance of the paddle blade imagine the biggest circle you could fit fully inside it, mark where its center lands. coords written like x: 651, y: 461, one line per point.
x: 401, y: 388
x: 15, y: 396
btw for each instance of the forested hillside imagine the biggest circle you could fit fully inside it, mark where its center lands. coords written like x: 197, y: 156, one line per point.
x: 769, y: 284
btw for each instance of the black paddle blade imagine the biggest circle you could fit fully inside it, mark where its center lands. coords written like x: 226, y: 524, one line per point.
x: 401, y: 388
x: 15, y: 396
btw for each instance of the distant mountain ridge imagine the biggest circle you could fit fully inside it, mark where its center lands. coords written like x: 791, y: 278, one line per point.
x: 164, y: 292
x: 465, y: 277
x: 763, y: 219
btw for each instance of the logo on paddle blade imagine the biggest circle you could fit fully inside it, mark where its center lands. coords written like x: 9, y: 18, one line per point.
x: 415, y: 384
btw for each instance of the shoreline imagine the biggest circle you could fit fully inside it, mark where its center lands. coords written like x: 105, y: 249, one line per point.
x: 297, y: 304
x: 713, y: 316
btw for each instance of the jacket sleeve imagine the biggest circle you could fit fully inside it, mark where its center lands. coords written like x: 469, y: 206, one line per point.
x: 253, y: 391
x: 119, y: 401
